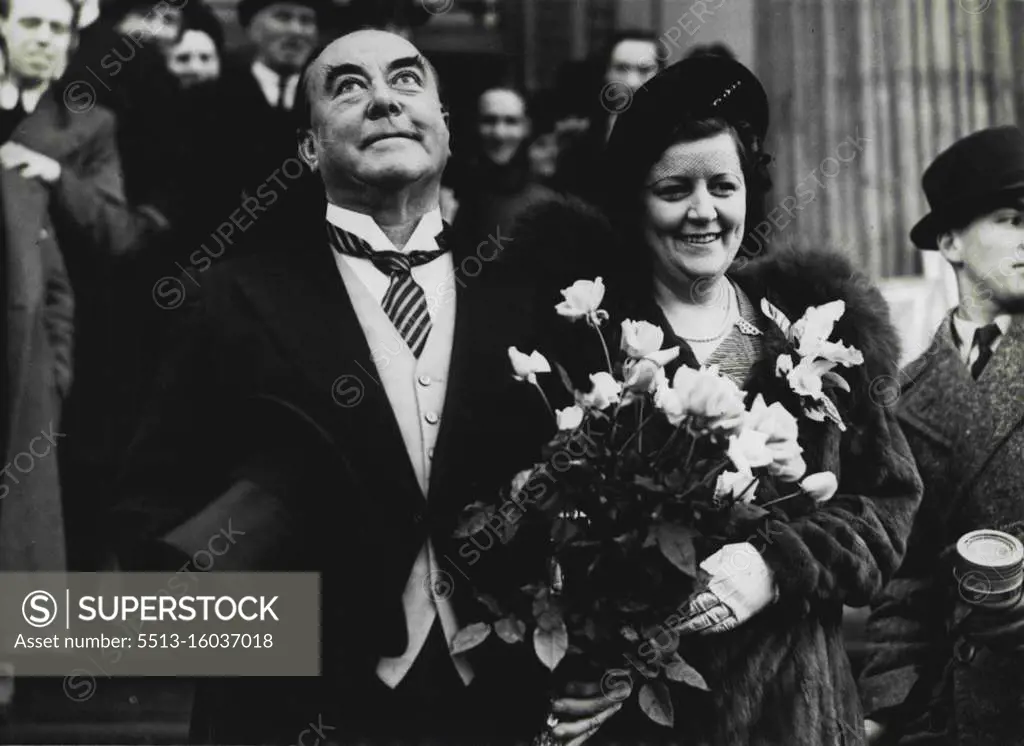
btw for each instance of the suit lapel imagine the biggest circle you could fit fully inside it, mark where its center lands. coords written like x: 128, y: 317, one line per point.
x: 307, y: 308
x: 43, y: 131
x: 942, y: 401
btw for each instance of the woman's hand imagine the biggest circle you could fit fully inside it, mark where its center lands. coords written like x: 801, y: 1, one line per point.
x: 741, y: 585
x: 874, y: 732
x: 578, y: 715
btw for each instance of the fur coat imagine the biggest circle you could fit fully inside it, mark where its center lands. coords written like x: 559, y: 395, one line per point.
x: 784, y: 676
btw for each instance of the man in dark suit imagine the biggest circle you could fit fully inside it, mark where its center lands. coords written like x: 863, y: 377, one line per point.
x: 257, y: 106
x: 60, y: 185
x: 934, y: 676
x: 340, y: 400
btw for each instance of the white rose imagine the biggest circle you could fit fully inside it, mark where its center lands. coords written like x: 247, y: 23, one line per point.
x: 526, y: 367
x: 582, y: 299
x: 640, y: 338
x: 822, y: 486
x: 606, y: 391
x: 569, y: 418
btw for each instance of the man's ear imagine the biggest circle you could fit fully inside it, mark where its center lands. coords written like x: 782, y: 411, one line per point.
x: 446, y: 115
x: 951, y: 247
x: 307, y: 150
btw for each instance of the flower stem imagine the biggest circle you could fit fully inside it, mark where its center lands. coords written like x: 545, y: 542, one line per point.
x: 545, y: 398
x: 782, y: 499
x: 670, y: 441
x: 706, y: 481
x: 604, y: 345
x: 638, y: 434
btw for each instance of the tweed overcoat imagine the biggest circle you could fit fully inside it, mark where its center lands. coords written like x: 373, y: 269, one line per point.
x: 968, y: 439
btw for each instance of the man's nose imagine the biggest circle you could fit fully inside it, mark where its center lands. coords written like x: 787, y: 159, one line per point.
x: 297, y: 26
x: 634, y: 79
x: 383, y: 102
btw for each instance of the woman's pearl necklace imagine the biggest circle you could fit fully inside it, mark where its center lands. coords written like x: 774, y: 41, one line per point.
x: 730, y: 321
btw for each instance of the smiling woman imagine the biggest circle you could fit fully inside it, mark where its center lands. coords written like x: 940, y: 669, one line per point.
x: 684, y: 181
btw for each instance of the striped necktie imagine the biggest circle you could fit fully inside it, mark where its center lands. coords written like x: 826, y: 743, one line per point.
x: 405, y: 303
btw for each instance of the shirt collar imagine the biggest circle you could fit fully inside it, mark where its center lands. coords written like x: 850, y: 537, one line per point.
x: 424, y: 238
x: 965, y: 329
x: 268, y: 77
x: 30, y: 97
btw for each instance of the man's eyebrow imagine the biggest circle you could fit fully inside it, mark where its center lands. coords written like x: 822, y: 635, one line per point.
x: 347, y: 68
x: 336, y: 71
x: 415, y: 61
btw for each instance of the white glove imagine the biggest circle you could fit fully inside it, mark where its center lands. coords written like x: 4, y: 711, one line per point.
x: 741, y: 585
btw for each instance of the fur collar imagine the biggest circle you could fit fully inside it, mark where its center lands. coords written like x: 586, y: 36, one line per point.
x: 565, y: 239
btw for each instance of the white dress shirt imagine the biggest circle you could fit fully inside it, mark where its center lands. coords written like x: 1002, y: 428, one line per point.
x: 965, y: 329
x: 270, y: 84
x: 416, y: 390
x: 434, y: 277
x: 29, y: 96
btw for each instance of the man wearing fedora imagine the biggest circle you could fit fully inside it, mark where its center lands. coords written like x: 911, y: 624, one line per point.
x: 939, y: 672
x: 256, y: 108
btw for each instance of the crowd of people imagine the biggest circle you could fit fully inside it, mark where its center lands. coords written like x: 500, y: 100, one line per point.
x: 197, y: 250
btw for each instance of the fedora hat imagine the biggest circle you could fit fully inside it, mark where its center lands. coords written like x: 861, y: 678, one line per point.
x: 249, y: 8
x: 967, y: 179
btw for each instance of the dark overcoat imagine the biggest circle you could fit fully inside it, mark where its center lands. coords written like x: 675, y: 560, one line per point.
x: 84, y: 212
x: 968, y: 438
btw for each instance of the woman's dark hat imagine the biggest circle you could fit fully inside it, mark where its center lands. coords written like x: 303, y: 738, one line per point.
x: 969, y: 178
x: 695, y: 88
x: 249, y: 8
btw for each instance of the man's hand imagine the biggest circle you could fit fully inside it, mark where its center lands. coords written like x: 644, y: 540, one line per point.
x: 581, y: 712
x: 29, y: 163
x: 998, y: 629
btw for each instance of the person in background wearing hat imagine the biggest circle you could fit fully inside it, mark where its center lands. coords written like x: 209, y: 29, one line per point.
x: 196, y: 57
x: 961, y: 405
x: 118, y: 69
x: 685, y: 177
x: 257, y: 105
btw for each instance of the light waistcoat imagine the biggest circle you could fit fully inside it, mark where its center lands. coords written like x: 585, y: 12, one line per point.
x: 416, y: 391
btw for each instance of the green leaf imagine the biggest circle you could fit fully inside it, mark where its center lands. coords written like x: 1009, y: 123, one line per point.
x: 551, y: 645
x: 510, y: 629
x: 474, y: 519
x: 681, y: 671
x: 656, y: 703
x: 676, y: 544
x: 630, y: 634
x: 469, y: 637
